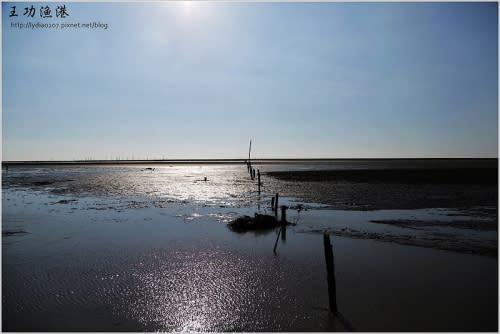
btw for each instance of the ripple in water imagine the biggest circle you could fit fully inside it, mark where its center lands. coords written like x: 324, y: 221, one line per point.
x: 208, y: 290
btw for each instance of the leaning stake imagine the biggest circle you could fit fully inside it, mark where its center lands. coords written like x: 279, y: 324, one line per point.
x: 330, y: 273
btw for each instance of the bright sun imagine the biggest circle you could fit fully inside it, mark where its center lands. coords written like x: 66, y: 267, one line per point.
x: 188, y: 6
x: 193, y: 10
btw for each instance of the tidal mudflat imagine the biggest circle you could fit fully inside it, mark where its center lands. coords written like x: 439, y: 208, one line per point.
x: 129, y: 248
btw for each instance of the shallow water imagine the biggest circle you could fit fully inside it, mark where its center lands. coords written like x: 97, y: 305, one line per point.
x: 123, y: 248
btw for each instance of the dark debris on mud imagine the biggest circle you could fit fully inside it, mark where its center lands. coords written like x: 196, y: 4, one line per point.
x: 11, y: 233
x: 32, y: 181
x: 65, y: 201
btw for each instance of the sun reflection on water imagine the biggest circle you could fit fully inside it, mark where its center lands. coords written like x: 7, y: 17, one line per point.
x: 225, y: 185
x: 199, y: 324
x: 210, y: 290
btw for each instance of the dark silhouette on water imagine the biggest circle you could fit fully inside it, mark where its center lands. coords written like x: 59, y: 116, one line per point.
x: 258, y: 222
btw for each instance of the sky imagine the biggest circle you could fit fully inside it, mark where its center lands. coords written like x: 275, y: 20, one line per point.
x: 184, y: 80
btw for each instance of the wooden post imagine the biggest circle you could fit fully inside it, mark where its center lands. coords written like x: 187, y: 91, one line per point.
x: 283, y: 223
x: 276, y: 205
x: 272, y: 203
x: 258, y: 179
x: 330, y: 273
x: 283, y: 214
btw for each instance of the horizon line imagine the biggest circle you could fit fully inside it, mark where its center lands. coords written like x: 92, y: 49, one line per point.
x: 215, y: 160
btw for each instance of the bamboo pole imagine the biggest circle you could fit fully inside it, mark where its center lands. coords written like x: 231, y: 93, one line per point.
x: 249, y: 150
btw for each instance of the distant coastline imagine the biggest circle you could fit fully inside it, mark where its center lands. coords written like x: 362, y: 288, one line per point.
x: 226, y: 161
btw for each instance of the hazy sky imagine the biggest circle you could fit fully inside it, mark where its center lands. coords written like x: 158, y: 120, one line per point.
x: 198, y: 80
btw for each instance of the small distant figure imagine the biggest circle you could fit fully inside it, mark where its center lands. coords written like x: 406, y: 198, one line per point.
x: 205, y: 179
x: 299, y: 208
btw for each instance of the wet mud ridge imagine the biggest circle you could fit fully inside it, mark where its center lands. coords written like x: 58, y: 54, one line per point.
x: 373, y: 189
x: 411, y: 176
x: 489, y: 225
x: 434, y: 240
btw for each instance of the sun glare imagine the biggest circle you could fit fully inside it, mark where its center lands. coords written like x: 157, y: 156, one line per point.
x: 188, y: 6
